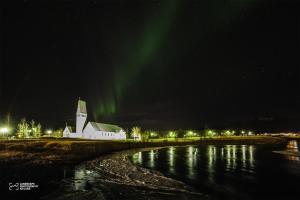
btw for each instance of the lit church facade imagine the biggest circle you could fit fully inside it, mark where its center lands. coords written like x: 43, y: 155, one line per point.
x: 92, y: 130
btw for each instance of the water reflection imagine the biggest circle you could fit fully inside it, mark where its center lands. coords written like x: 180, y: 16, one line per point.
x: 82, y: 177
x: 239, y: 153
x: 171, y: 159
x: 222, y: 153
x: 244, y: 156
x: 211, y: 161
x: 191, y: 161
x: 234, y: 156
x: 214, y: 159
x: 151, y: 160
x: 293, y: 148
x: 251, y: 160
x: 137, y: 158
x: 230, y: 157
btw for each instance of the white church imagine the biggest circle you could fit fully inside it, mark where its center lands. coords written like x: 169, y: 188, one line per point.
x: 92, y: 130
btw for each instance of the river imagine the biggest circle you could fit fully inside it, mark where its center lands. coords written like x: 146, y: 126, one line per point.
x: 188, y: 172
x: 230, y: 171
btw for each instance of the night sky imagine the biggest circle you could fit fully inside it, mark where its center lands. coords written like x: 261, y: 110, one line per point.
x: 159, y: 64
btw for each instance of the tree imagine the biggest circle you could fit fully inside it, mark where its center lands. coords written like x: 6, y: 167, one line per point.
x: 22, y: 130
x: 180, y: 133
x: 229, y: 133
x: 145, y: 135
x: 58, y: 133
x: 33, y: 128
x: 136, y: 133
x: 172, y: 134
x: 128, y: 133
x: 38, y: 130
x: 210, y: 133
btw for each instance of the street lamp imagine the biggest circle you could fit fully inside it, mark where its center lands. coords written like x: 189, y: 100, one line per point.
x: 153, y: 134
x: 4, y: 130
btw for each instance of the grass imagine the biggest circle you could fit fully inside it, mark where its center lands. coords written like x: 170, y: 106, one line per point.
x: 71, y: 151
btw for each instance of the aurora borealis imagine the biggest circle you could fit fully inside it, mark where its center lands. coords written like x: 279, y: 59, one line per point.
x: 152, y: 63
x: 146, y: 46
x: 140, y: 52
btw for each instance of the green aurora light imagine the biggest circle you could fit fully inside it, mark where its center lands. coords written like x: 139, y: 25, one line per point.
x: 144, y: 49
x: 141, y: 53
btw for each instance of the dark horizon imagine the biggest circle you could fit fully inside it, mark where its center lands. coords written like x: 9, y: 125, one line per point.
x: 156, y: 64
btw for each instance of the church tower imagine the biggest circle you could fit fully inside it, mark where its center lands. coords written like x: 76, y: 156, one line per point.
x: 81, y: 116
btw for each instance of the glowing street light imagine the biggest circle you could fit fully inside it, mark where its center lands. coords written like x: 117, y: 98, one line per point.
x: 211, y: 133
x: 4, y: 130
x: 49, y: 131
x: 153, y: 134
x: 189, y: 134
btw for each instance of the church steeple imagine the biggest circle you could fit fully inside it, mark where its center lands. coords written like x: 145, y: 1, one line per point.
x: 81, y: 116
x: 81, y: 108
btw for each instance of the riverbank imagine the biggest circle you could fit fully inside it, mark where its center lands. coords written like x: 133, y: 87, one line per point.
x: 73, y: 151
x: 115, y: 177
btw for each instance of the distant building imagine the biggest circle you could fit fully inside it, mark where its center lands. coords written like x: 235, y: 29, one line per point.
x: 67, y: 131
x: 92, y: 130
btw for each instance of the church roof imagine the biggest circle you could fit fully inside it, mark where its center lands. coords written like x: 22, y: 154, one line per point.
x: 105, y: 127
x: 81, y: 107
x: 69, y: 128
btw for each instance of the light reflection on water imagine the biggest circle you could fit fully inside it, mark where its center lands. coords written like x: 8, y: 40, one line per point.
x: 78, y: 176
x: 244, y: 155
x: 151, y: 162
x: 223, y: 168
x: 293, y: 147
x: 81, y: 177
x: 191, y: 160
x: 225, y: 171
x: 228, y: 171
x: 211, y: 159
x: 231, y: 157
x: 171, y: 159
x: 137, y: 158
x: 251, y: 159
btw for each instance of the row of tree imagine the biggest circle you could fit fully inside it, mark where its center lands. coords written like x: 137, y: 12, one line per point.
x: 29, y: 129
x: 137, y: 134
x: 33, y: 129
